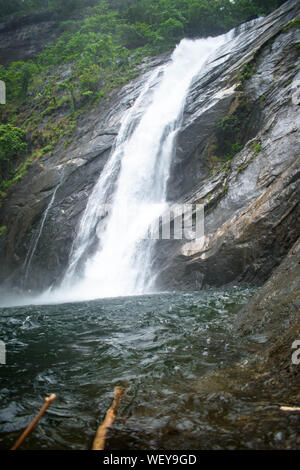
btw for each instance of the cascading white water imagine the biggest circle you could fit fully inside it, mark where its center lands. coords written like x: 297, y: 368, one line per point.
x: 135, y: 182
x: 35, y: 241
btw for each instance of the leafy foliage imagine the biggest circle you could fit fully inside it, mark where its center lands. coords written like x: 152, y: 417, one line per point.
x: 230, y: 131
x: 12, y: 145
x: 105, y: 33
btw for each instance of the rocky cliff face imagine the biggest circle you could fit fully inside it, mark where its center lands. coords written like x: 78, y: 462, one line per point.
x: 251, y: 201
x: 268, y: 328
x: 23, y: 38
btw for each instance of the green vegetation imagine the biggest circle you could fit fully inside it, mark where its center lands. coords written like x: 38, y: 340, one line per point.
x: 2, y: 230
x: 12, y: 146
x: 225, y: 188
x: 257, y: 149
x: 247, y: 71
x: 292, y: 24
x: 17, y: 174
x: 230, y: 131
x: 99, y: 47
x: 256, y: 146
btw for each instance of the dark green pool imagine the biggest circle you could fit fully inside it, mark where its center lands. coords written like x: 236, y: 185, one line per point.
x: 156, y: 345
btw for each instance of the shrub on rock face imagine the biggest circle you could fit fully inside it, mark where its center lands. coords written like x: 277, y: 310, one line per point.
x: 90, y: 78
x: 12, y: 145
x: 226, y: 132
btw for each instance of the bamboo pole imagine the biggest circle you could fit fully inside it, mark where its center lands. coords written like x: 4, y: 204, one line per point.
x: 290, y: 408
x: 48, y: 401
x: 99, y: 441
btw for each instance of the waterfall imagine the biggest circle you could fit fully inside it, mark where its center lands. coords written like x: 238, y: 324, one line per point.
x: 36, y: 239
x: 134, y: 181
x: 111, y: 255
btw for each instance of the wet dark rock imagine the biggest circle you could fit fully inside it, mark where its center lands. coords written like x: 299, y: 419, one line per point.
x: 257, y: 388
x: 274, y: 310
